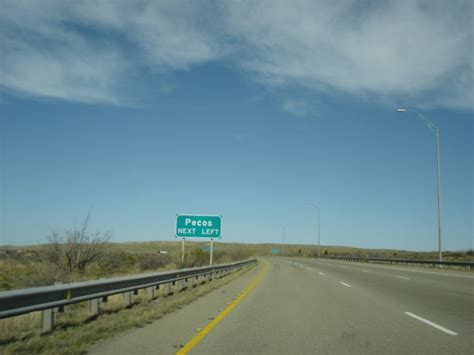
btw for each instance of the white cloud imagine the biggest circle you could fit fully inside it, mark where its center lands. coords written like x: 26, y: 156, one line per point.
x: 410, y: 51
x: 395, y: 49
x: 59, y: 73
x: 87, y: 51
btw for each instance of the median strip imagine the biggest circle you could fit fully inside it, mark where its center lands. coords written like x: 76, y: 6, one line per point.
x: 200, y: 336
x: 434, y: 325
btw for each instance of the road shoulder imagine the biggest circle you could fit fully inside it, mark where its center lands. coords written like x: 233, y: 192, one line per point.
x: 168, y: 334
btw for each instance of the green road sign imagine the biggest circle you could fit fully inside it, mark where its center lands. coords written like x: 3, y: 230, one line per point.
x: 197, y: 226
x: 274, y: 251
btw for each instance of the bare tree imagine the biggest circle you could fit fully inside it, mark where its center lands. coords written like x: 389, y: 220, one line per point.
x: 74, y: 250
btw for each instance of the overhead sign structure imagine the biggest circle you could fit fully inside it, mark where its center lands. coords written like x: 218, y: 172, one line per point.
x: 198, y: 226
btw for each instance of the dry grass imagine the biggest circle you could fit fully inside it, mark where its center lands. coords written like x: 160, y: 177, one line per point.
x: 76, y: 330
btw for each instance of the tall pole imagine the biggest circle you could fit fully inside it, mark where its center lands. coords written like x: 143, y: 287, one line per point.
x: 438, y: 168
x: 182, y: 251
x: 319, y: 234
x: 318, y: 217
x: 435, y: 130
x: 283, y: 239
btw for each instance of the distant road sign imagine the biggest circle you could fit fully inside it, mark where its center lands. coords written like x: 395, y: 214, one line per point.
x: 198, y: 226
x: 275, y: 251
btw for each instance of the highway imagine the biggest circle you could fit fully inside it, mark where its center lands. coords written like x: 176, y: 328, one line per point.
x: 307, y: 306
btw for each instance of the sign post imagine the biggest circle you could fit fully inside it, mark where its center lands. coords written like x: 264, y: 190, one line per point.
x: 210, y: 253
x: 198, y: 226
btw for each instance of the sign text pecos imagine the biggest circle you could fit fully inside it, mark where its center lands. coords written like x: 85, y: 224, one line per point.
x: 197, y: 226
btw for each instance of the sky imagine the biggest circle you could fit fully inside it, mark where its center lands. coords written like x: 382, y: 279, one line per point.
x: 140, y: 110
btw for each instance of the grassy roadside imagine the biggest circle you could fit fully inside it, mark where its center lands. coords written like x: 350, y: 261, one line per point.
x: 76, y: 331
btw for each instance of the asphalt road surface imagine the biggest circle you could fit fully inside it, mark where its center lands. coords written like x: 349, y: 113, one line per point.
x: 305, y: 306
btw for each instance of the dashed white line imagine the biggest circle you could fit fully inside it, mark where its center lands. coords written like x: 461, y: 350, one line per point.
x: 420, y: 271
x: 364, y: 270
x: 309, y: 268
x: 403, y: 277
x: 434, y: 325
x: 434, y: 273
x: 343, y: 283
x: 321, y: 273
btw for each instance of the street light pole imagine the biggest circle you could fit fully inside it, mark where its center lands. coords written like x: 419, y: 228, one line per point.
x: 283, y: 239
x: 435, y: 130
x: 319, y: 226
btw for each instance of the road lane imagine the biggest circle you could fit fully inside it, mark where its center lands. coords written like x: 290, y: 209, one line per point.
x: 298, y: 310
x: 447, y: 299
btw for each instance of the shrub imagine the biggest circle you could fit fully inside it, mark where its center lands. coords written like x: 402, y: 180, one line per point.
x: 152, y: 262
x: 75, y: 249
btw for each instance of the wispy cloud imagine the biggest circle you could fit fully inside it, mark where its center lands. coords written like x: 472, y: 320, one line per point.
x: 390, y: 49
x: 297, y: 107
x: 85, y: 51
x: 414, y: 51
x: 241, y: 137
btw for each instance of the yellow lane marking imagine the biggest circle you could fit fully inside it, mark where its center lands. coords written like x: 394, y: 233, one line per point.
x: 197, y: 339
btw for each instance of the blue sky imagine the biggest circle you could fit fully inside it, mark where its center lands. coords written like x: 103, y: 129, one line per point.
x: 243, y: 109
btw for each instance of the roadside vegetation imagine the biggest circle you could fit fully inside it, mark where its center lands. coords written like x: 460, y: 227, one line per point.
x: 63, y: 260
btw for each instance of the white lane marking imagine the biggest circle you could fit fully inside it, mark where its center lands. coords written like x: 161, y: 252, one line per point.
x: 364, y: 270
x: 376, y: 266
x: 434, y: 325
x: 403, y: 277
x: 343, y: 283
x: 435, y: 273
x: 309, y: 268
x: 321, y: 273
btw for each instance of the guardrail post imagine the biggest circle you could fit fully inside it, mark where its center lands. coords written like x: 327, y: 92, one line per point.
x: 150, y: 293
x: 127, y: 299
x: 47, y: 320
x: 180, y: 285
x: 94, y: 306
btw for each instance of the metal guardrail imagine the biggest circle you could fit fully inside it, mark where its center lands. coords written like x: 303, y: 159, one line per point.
x: 55, y: 297
x: 402, y: 261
